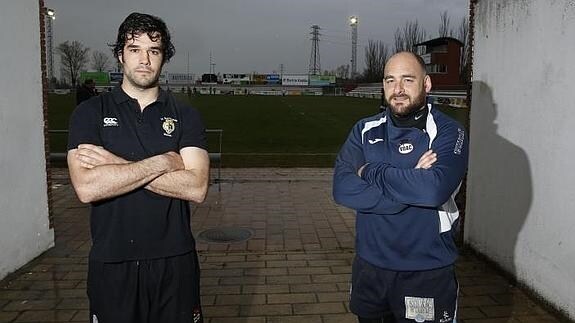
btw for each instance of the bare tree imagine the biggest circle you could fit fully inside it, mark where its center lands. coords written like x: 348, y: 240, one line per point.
x: 73, y: 58
x: 342, y: 71
x: 406, y: 38
x: 100, y: 61
x: 444, y: 27
x: 376, y: 54
x: 463, y: 36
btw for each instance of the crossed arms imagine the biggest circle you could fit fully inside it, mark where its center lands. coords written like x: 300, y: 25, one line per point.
x: 97, y: 174
x: 381, y: 188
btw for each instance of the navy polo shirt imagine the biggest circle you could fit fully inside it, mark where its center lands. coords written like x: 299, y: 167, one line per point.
x: 140, y: 224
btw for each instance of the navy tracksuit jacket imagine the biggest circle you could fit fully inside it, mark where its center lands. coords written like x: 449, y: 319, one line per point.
x: 405, y: 216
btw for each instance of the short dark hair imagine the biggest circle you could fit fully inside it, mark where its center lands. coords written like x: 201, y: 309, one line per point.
x: 139, y: 23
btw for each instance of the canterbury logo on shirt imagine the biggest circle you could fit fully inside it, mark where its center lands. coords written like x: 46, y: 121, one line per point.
x: 110, y: 122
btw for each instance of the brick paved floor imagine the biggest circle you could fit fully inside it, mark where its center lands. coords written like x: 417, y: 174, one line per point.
x: 295, y: 268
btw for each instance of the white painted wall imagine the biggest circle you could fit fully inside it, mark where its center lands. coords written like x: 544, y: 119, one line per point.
x: 521, y: 189
x: 24, y: 232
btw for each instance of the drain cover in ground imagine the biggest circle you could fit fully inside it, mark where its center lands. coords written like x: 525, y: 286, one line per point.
x: 225, y: 235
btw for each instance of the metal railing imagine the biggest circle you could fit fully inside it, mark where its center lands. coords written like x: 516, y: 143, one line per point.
x: 215, y: 157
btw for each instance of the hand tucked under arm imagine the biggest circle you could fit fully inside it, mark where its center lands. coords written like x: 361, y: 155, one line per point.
x: 91, y: 156
x: 189, y: 183
x: 426, y: 160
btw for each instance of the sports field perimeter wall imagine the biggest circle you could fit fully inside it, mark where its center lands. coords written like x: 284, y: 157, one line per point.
x: 521, y: 184
x: 24, y: 225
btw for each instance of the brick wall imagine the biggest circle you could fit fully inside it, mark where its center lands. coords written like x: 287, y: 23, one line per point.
x: 42, y: 16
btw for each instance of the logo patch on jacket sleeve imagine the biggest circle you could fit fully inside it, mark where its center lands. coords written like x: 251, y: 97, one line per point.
x: 459, y: 143
x: 169, y: 125
x: 419, y: 309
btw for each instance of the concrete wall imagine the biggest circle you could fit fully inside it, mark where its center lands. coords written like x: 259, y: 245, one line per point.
x: 24, y: 228
x: 521, y: 189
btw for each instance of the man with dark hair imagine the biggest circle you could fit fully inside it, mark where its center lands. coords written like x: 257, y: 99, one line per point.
x: 139, y: 156
x: 86, y: 91
x: 400, y: 170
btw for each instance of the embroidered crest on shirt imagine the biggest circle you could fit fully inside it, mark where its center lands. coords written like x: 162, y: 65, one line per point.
x: 169, y: 125
x: 419, y: 309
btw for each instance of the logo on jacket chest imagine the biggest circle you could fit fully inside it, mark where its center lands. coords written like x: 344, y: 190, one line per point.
x: 405, y: 147
x: 168, y: 125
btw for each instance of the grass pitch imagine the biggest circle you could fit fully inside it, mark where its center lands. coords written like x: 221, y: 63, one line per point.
x: 263, y: 131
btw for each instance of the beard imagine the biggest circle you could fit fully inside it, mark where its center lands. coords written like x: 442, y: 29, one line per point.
x: 408, y: 106
x: 145, y: 81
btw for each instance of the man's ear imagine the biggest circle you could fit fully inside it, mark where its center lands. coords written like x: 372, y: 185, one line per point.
x: 427, y: 83
x: 121, y: 57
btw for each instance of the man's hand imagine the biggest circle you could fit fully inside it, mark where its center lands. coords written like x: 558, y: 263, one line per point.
x: 426, y: 160
x: 91, y: 156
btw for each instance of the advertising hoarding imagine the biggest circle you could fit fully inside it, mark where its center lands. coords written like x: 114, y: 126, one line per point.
x: 272, y: 78
x: 101, y: 78
x: 321, y: 80
x: 179, y: 78
x: 295, y: 79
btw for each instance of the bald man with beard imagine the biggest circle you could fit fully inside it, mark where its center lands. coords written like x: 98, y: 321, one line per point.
x: 400, y: 171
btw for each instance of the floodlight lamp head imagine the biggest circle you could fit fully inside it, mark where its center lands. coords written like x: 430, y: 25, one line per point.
x: 353, y: 20
x: 51, y: 13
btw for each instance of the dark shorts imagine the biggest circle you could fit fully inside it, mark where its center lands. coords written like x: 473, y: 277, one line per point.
x: 156, y: 290
x: 408, y: 296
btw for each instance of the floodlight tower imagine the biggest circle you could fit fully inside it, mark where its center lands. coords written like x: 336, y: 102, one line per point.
x: 314, y: 63
x: 50, y: 16
x: 353, y: 22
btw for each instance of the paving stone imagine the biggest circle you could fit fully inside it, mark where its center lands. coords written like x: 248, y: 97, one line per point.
x: 266, y: 310
x: 291, y: 264
x: 547, y: 318
x: 292, y: 279
x: 238, y: 320
x: 20, y: 294
x: 81, y: 316
x: 296, y: 268
x: 466, y: 301
x: 331, y: 278
x: 333, y: 297
x: 46, y: 316
x: 74, y: 303
x: 319, y: 308
x: 25, y: 305
x: 309, y: 271
x: 243, y: 280
x: 313, y: 288
x: 293, y: 298
x: 465, y: 313
x: 507, y: 310
x: 245, y: 299
x: 8, y: 316
x: 221, y: 311
x: 296, y: 319
x: 340, y: 318
x: 220, y: 290
x: 265, y: 289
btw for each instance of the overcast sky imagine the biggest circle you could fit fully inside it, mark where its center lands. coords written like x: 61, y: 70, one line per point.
x: 253, y: 35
